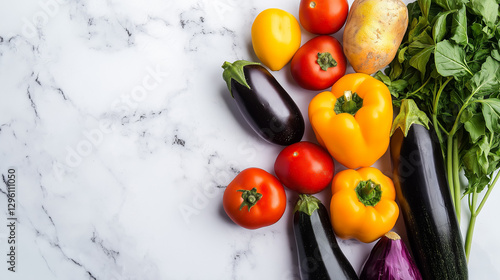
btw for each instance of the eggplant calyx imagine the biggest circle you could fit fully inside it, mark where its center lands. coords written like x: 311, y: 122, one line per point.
x: 250, y: 198
x: 234, y: 71
x: 349, y: 103
x: 307, y: 204
x: 325, y: 61
x: 369, y: 192
x: 409, y: 114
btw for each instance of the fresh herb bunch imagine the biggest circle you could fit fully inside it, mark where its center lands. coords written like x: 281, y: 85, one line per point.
x: 449, y: 64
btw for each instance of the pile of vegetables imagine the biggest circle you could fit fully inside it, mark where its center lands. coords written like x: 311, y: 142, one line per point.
x: 437, y: 62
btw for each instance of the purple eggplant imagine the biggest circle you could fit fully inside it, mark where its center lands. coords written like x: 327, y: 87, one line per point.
x: 319, y: 254
x: 390, y: 260
x: 264, y: 103
x: 432, y: 227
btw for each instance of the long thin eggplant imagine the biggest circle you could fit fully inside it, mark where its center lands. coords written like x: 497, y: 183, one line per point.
x: 264, y: 103
x: 426, y: 205
x: 319, y: 254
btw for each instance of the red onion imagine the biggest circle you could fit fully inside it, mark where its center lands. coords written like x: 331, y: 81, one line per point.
x: 390, y: 260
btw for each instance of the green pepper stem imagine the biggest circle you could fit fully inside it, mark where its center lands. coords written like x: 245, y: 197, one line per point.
x: 348, y: 95
x: 368, y: 192
x: 349, y: 105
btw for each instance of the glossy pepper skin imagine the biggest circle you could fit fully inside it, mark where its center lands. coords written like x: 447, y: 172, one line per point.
x: 355, y: 133
x: 276, y: 37
x: 363, y: 204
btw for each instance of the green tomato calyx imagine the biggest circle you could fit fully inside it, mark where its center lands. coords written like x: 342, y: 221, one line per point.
x: 325, y: 61
x: 250, y: 198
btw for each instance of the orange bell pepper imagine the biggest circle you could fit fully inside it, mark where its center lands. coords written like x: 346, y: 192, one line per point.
x: 363, y: 204
x: 353, y: 121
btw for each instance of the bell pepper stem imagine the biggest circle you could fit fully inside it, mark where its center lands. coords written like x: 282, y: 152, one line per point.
x: 348, y: 103
x: 250, y: 198
x: 369, y: 192
x: 348, y: 95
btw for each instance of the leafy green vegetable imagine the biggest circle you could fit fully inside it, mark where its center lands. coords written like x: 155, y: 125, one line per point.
x: 448, y: 65
x: 487, y: 80
x: 486, y: 8
x: 459, y: 27
x: 439, y: 29
x: 450, y: 60
x: 491, y: 114
x: 476, y: 127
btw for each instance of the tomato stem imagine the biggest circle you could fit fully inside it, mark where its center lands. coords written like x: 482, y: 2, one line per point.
x: 250, y: 198
x: 325, y: 61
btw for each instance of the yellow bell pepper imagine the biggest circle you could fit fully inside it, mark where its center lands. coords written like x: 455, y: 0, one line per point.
x: 275, y: 37
x: 363, y: 204
x: 353, y: 121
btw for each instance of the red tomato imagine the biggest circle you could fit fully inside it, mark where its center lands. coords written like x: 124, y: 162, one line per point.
x: 319, y: 63
x: 304, y: 167
x: 323, y: 16
x: 254, y: 199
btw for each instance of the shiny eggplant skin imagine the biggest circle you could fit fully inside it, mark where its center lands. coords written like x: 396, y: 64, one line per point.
x: 426, y: 205
x: 319, y: 254
x: 267, y: 107
x: 389, y: 259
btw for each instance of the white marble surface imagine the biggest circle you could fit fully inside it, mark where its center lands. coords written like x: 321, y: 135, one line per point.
x: 123, y: 136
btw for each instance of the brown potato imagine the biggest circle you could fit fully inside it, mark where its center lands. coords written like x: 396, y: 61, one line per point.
x: 373, y: 32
